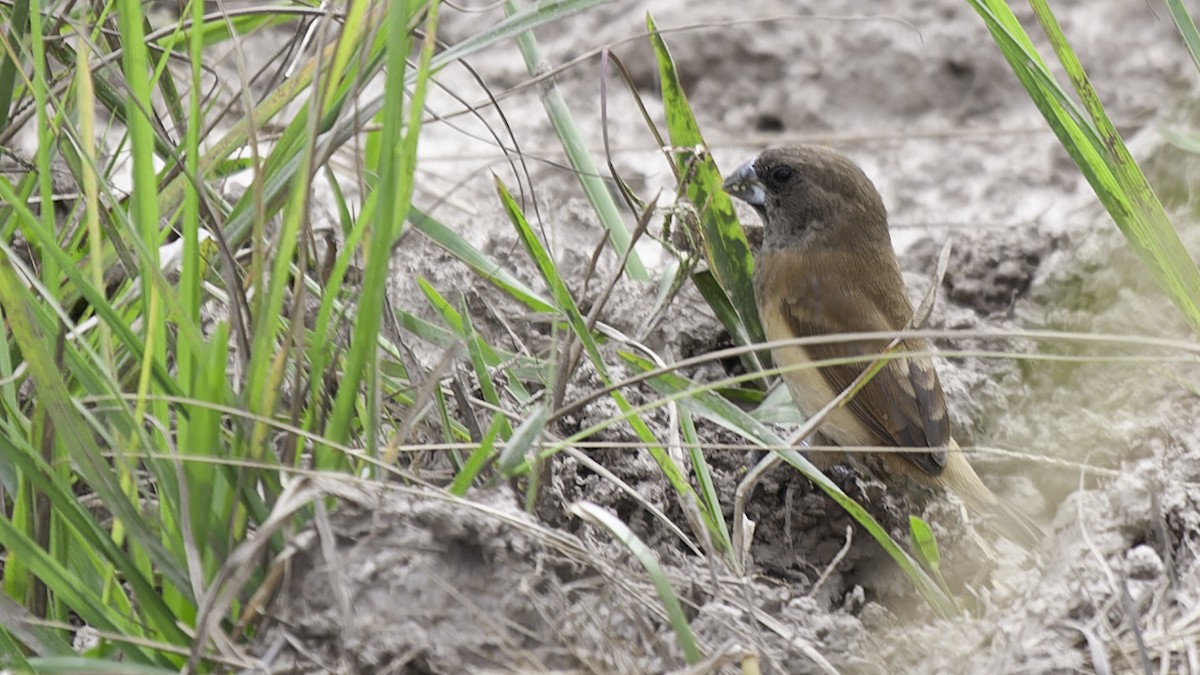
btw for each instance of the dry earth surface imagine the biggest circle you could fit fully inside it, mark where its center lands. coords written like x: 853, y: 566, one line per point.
x: 921, y: 98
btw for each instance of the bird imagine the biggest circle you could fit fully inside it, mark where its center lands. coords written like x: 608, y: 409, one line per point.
x: 827, y: 266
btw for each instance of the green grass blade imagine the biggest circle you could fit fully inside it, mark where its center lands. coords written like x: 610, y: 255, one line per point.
x: 1090, y: 138
x: 1187, y: 28
x: 75, y: 665
x: 725, y: 244
x: 65, y: 585
x: 517, y: 23
x: 581, y: 160
x: 710, y: 289
x: 478, y: 459
x: 144, y: 206
x: 401, y: 116
x: 484, y: 357
x: 926, y: 547
x: 602, y: 518
x: 18, y: 23
x: 484, y: 266
x: 74, y: 434
x: 925, y: 543
x: 567, y: 306
x: 523, y: 439
x: 707, y: 489
x: 481, y: 355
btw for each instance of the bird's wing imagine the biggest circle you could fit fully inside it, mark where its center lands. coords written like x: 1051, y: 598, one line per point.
x: 903, y: 403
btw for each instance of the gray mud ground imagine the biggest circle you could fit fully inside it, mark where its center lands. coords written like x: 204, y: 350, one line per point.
x: 925, y: 103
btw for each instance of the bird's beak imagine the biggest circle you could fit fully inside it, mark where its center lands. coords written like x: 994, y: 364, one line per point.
x: 745, y: 185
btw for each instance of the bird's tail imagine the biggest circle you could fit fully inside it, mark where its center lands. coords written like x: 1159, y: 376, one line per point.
x: 1017, y: 526
x: 960, y: 478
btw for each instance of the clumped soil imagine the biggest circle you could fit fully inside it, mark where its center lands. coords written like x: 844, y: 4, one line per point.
x: 408, y: 581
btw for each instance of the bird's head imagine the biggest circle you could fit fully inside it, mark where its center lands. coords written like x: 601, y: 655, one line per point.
x: 810, y: 196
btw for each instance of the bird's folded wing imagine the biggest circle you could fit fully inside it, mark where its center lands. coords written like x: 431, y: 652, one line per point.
x: 902, y: 404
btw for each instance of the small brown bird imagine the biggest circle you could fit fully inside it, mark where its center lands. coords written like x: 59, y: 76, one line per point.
x: 827, y: 266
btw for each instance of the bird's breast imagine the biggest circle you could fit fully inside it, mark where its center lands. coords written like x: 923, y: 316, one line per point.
x: 808, y: 387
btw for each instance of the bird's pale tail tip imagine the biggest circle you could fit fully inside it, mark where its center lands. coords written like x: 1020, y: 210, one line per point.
x: 1018, y: 527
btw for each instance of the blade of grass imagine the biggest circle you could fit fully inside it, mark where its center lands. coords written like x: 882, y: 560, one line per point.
x: 478, y: 459
x: 397, y: 168
x: 581, y: 160
x: 566, y: 305
x: 602, y: 518
x: 73, y: 665
x: 18, y: 23
x: 1147, y: 227
x: 725, y: 244
x: 1187, y: 28
x: 480, y: 354
x: 523, y: 440
x: 707, y: 489
x: 710, y: 289
x: 926, y: 546
x: 1090, y: 138
x: 484, y: 266
x: 487, y: 356
x: 74, y: 435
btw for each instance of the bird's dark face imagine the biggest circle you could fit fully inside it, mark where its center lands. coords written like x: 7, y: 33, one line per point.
x: 807, y: 195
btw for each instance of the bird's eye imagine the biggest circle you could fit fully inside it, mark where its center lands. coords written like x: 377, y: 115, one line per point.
x: 780, y: 174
